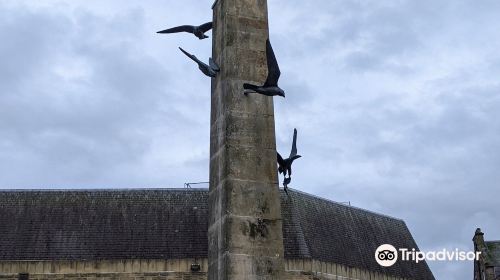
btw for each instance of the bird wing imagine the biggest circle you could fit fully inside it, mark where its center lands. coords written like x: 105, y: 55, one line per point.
x: 205, y: 27
x: 213, y: 65
x: 191, y: 56
x: 281, y: 161
x: 182, y: 28
x: 273, y: 70
x: 293, y: 152
x: 295, y: 157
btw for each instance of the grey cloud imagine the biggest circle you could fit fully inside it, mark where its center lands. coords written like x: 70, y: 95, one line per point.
x: 84, y: 99
x: 402, y: 117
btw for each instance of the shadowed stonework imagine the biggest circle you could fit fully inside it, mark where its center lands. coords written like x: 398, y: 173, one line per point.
x: 245, y: 227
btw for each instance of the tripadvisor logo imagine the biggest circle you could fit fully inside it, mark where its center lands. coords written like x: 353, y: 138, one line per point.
x: 387, y: 255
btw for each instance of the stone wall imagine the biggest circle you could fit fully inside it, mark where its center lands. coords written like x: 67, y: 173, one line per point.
x: 317, y: 270
x: 110, y: 276
x: 170, y: 270
x: 93, y: 270
x: 490, y: 273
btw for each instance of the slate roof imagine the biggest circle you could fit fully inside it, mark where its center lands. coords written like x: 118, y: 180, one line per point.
x: 172, y: 223
x: 334, y: 232
x: 493, y: 250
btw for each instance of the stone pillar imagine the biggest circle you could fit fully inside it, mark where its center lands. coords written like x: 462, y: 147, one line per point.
x: 245, y: 229
x: 479, y: 246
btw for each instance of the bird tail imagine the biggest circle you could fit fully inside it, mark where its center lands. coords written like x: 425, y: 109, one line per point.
x: 250, y: 87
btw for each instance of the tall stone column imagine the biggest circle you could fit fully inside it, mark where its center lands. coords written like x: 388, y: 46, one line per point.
x: 245, y: 230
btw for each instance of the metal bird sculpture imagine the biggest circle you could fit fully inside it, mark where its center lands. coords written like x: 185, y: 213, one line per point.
x: 210, y: 70
x: 198, y: 31
x: 270, y: 87
x: 286, y: 182
x: 285, y: 165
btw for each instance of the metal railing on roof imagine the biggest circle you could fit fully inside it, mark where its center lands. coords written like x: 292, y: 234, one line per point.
x: 188, y: 185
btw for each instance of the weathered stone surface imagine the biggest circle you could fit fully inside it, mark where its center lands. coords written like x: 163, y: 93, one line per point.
x: 245, y: 226
x: 295, y: 269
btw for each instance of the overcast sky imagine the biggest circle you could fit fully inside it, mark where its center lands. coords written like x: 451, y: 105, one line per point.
x: 397, y: 104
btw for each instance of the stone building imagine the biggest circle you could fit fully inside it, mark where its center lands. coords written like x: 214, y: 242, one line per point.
x: 162, y: 234
x: 488, y: 266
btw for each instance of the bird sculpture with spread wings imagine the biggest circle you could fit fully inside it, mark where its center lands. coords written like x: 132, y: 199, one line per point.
x: 198, y: 31
x: 210, y: 70
x: 285, y: 165
x: 270, y: 86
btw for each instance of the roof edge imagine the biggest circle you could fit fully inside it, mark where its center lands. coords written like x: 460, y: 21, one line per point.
x: 104, y: 189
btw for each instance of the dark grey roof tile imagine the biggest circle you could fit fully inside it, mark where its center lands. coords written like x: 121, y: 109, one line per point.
x: 172, y: 223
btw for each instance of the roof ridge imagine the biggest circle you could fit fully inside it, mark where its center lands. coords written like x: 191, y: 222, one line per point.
x: 344, y: 205
x: 185, y: 189
x: 104, y: 189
